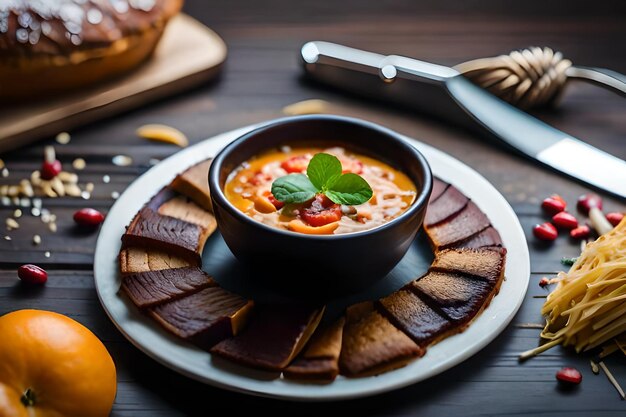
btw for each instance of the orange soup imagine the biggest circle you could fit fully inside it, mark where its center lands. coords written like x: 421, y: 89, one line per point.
x: 249, y: 189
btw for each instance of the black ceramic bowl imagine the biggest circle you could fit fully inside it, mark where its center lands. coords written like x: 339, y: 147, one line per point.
x: 326, y: 264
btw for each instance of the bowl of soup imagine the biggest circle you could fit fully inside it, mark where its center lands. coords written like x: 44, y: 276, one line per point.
x: 294, y: 227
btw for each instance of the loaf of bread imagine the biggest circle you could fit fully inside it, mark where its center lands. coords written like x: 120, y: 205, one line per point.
x: 53, y: 46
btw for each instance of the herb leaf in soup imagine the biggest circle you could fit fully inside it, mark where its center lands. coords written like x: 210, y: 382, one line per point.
x: 323, y: 169
x: 349, y: 189
x: 293, y: 188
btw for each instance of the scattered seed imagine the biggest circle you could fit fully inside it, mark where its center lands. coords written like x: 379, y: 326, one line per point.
x: 569, y: 376
x: 6, y: 201
x: 47, y: 254
x: 63, y: 138
x: 12, y: 223
x: 122, y: 160
x: 53, y: 227
x: 27, y: 188
x: 36, y: 240
x: 612, y: 379
x: 79, y: 164
x: 6, y: 237
x: 68, y: 177
x: 115, y: 195
x: 594, y: 367
x: 15, y: 201
x: 89, y: 187
x: 57, y: 186
x: 4, y: 189
x: 48, y: 191
x: 85, y: 195
x: 5, y: 172
x: 153, y: 161
x: 164, y: 134
x: 17, y: 213
x: 37, y: 203
x: 313, y: 106
x: 35, y: 212
x: 35, y: 178
x: 14, y: 191
x: 106, y: 179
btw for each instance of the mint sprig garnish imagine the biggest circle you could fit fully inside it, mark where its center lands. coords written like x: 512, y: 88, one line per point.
x: 324, y: 176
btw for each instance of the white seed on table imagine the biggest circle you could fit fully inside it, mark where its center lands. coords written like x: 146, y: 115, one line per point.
x: 79, y: 164
x: 69, y: 177
x: 37, y: 203
x: 122, y: 160
x: 12, y: 223
x: 6, y: 237
x: 72, y: 190
x: 85, y: 195
x: 115, y: 195
x: 47, y: 254
x: 15, y: 201
x: 106, y: 179
x: 6, y: 201
x: 36, y: 240
x: 53, y: 227
x: 89, y: 187
x: 5, y: 172
x: 57, y: 186
x: 35, y: 211
x: 63, y: 138
x: 17, y: 213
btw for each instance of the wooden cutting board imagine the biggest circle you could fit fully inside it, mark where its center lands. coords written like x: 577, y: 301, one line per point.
x: 189, y: 53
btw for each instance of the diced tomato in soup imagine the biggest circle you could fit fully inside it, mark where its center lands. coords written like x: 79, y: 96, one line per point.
x: 321, y: 211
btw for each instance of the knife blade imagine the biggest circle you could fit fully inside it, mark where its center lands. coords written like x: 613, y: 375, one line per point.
x: 442, y: 91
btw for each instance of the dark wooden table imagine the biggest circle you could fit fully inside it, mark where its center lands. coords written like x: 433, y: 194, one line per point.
x: 262, y: 76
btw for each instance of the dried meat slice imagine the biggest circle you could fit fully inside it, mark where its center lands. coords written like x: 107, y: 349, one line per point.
x: 320, y: 358
x: 275, y: 335
x: 464, y: 225
x: 414, y: 317
x: 147, y: 289
x: 482, y: 263
x: 206, y: 317
x: 371, y: 344
x: 439, y: 187
x: 450, y: 203
x: 488, y: 238
x: 136, y: 259
x: 194, y: 184
x: 459, y: 297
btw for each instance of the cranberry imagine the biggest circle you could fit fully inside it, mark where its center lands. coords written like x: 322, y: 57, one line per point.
x: 588, y: 201
x: 543, y: 282
x: 545, y: 231
x: 32, y: 274
x: 569, y: 376
x: 88, y: 217
x: 50, y: 170
x: 554, y: 204
x: 581, y: 232
x: 614, y: 218
x: 564, y: 220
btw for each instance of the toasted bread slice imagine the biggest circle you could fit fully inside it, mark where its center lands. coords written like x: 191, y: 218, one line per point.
x: 447, y: 205
x: 194, y: 183
x: 136, y: 259
x: 461, y: 226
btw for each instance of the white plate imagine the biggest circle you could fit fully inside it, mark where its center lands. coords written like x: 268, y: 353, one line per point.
x: 176, y: 354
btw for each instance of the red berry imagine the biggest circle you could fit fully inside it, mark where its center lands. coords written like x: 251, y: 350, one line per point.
x: 614, y: 218
x: 569, y: 376
x: 88, y: 217
x: 545, y: 231
x: 588, y: 201
x: 581, y: 232
x: 32, y: 274
x: 50, y: 170
x: 543, y: 282
x: 564, y: 220
x: 554, y: 204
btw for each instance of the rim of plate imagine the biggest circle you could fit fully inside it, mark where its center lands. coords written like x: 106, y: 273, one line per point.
x: 176, y: 354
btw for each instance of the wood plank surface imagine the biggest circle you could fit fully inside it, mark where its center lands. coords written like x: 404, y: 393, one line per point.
x: 261, y: 76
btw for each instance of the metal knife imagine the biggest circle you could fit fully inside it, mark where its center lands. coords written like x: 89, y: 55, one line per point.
x: 442, y: 91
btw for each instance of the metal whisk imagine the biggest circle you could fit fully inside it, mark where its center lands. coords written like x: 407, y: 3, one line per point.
x: 534, y: 77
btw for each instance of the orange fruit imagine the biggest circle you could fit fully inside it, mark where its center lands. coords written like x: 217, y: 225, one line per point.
x: 53, y: 366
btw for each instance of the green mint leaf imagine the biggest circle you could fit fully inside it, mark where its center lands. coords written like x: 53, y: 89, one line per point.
x: 293, y: 188
x: 323, y: 169
x: 349, y: 189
